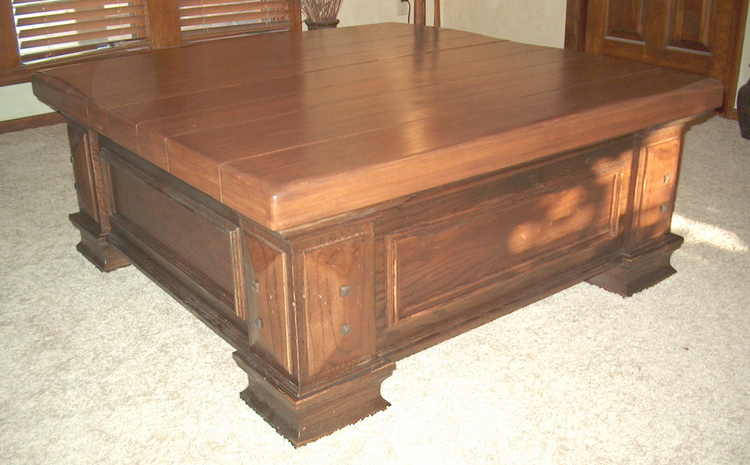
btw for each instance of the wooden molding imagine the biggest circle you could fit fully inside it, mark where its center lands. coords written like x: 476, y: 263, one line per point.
x: 9, y: 56
x: 30, y: 122
x: 164, y: 23
x: 726, y: 64
x: 575, y: 24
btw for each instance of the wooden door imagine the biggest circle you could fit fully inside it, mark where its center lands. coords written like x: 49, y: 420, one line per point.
x: 698, y: 36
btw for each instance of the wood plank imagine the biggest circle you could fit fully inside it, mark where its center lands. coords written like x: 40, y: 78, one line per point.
x: 10, y: 58
x: 277, y: 190
x: 192, y: 72
x: 329, y: 120
x: 378, y: 105
x: 126, y: 111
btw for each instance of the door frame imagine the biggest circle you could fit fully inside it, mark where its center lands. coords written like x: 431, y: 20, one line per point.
x: 728, y: 73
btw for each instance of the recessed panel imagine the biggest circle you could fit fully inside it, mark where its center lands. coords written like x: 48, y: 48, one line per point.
x: 625, y: 20
x: 432, y: 265
x: 689, y: 25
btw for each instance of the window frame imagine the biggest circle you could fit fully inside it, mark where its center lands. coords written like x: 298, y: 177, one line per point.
x: 162, y: 22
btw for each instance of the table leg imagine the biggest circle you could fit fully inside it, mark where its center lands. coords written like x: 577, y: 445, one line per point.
x: 91, y: 220
x: 649, y: 243
x: 312, y: 361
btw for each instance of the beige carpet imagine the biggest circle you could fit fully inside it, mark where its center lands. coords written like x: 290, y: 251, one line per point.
x: 106, y: 369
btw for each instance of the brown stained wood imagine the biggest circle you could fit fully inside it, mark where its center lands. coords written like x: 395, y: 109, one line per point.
x: 331, y: 219
x: 324, y: 86
x: 10, y: 58
x: 336, y: 287
x: 30, y: 122
x: 83, y: 169
x: 405, y: 111
x: 318, y: 71
x: 164, y: 23
x: 445, y: 156
x: 423, y: 260
x: 270, y: 316
x: 697, y: 36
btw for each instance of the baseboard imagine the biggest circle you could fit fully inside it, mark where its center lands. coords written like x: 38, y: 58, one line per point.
x: 730, y: 114
x: 29, y: 122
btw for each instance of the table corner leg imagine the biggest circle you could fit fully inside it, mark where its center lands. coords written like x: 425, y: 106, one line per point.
x: 642, y: 270
x: 304, y: 416
x: 94, y: 245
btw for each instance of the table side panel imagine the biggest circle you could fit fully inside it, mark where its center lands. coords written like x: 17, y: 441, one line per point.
x: 336, y: 301
x: 270, y: 307
x: 193, y: 247
x: 459, y: 254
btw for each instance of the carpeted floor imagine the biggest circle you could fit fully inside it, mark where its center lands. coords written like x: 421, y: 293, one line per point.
x: 106, y: 369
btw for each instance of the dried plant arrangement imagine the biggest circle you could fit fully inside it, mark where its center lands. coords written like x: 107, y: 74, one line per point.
x: 321, y: 11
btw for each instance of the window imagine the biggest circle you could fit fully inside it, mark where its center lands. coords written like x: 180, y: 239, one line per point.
x: 211, y: 18
x: 49, y: 29
x: 38, y: 33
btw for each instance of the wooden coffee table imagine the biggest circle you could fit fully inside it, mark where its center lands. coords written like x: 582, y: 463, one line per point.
x: 332, y: 201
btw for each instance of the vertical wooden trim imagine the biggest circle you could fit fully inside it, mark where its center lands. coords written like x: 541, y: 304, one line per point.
x: 575, y: 24
x: 237, y: 245
x: 10, y: 57
x: 437, y: 13
x: 163, y: 19
x: 732, y: 62
x: 30, y: 122
x: 420, y: 12
x: 295, y: 15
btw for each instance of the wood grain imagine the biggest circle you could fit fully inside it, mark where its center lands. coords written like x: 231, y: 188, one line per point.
x: 372, y: 104
x: 360, y: 194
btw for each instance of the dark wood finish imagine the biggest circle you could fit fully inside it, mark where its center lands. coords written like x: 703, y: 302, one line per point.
x: 698, y: 36
x: 575, y: 24
x: 9, y: 55
x: 163, y: 30
x: 329, y: 217
x: 743, y: 109
x: 30, y: 122
x: 164, y: 23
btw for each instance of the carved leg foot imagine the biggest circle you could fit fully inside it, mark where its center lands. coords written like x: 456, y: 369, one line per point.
x: 641, y: 271
x: 303, y: 417
x: 94, y: 246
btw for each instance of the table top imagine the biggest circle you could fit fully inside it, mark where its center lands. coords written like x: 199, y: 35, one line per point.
x: 291, y: 128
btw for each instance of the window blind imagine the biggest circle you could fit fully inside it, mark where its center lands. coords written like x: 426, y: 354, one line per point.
x: 201, y: 19
x: 48, y: 29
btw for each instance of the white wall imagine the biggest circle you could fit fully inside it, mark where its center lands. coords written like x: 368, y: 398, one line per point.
x: 17, y: 101
x: 538, y: 22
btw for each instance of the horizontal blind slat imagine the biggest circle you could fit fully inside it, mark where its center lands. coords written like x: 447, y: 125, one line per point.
x: 258, y: 28
x: 74, y: 39
x: 105, y: 27
x: 249, y: 17
x: 51, y: 6
x: 48, y: 29
x: 229, y: 9
x: 79, y: 15
x: 211, y: 17
x: 208, y: 3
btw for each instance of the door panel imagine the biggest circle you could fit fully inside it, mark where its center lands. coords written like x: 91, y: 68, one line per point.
x: 625, y: 20
x: 689, y: 25
x: 697, y: 36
